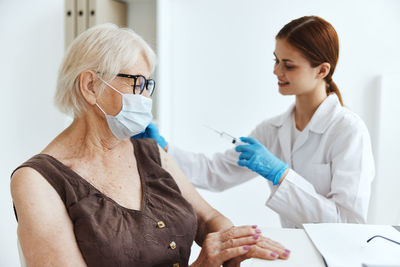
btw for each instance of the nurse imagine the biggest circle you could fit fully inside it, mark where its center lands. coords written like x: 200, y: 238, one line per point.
x: 316, y: 156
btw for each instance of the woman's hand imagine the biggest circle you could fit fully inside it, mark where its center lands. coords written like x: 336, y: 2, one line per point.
x: 265, y: 248
x: 231, y: 246
x: 259, y: 159
x: 219, y: 247
x: 152, y: 132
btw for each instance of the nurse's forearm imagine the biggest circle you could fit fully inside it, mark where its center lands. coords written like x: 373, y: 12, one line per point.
x: 283, y: 176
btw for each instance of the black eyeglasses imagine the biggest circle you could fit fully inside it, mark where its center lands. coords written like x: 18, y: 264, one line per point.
x: 388, y: 239
x: 140, y: 83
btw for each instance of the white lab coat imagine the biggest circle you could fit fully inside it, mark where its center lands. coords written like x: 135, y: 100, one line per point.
x: 331, y: 166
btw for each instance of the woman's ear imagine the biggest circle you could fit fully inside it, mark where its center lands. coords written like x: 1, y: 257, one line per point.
x: 324, y: 70
x: 86, y: 85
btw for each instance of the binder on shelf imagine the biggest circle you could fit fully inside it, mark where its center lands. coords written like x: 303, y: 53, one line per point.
x: 70, y: 21
x: 102, y: 11
x: 81, y: 16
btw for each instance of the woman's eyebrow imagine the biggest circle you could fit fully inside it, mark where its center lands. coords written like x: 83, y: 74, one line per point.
x: 128, y: 81
x: 284, y: 60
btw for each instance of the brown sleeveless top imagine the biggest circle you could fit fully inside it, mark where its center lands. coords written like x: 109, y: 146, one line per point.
x: 160, y: 234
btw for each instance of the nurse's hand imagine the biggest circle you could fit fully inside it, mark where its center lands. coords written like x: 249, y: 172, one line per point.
x: 152, y: 132
x: 259, y: 159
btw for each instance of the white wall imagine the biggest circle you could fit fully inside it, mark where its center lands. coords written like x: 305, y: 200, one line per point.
x: 385, y: 208
x: 142, y: 18
x: 31, y: 48
x: 216, y: 69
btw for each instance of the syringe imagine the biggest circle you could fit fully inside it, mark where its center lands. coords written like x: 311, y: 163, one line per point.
x: 226, y: 136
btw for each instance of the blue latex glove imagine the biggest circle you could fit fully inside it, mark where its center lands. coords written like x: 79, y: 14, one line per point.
x: 259, y: 159
x: 152, y: 132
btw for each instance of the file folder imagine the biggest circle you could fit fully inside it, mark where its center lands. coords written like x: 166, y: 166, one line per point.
x: 102, y: 11
x: 70, y: 21
x: 81, y: 16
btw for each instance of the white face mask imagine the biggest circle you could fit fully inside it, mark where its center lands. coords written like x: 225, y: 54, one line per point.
x: 134, y: 116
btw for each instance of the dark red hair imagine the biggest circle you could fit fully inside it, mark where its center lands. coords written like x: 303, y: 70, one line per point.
x: 318, y: 41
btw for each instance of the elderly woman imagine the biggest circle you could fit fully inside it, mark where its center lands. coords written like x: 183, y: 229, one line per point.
x: 96, y: 197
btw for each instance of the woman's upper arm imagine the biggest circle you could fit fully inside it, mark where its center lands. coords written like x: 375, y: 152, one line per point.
x: 45, y: 230
x: 203, y: 210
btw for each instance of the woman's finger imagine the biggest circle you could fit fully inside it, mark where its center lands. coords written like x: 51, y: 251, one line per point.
x: 273, y: 246
x: 243, y: 148
x: 231, y: 253
x: 270, y: 242
x: 243, y: 163
x: 239, y: 242
x: 246, y: 155
x: 239, y: 231
x: 249, y: 140
x: 262, y: 253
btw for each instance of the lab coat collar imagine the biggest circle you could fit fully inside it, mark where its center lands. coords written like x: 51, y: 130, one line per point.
x: 278, y: 121
x: 325, y: 114
x: 321, y: 118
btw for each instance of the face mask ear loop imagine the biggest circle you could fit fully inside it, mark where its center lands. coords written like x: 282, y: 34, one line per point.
x: 101, y: 109
x: 109, y: 85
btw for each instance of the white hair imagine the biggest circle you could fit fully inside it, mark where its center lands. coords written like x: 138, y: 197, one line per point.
x: 105, y: 49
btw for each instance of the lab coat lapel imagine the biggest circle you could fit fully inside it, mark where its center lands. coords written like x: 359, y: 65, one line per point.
x: 284, y: 141
x: 319, y: 121
x: 301, y: 139
x: 284, y: 131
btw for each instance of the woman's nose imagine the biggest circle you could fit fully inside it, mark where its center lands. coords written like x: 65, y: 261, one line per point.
x: 276, y: 70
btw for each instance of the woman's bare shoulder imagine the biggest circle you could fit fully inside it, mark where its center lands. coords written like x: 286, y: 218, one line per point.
x: 44, y: 227
x: 30, y: 190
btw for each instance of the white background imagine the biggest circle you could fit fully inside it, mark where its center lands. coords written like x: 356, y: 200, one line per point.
x: 215, y: 68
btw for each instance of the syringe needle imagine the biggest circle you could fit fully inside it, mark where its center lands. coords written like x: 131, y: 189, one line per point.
x: 226, y: 136
x: 212, y: 129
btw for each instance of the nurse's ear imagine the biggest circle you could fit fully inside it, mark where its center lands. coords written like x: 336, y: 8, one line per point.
x: 86, y: 86
x: 323, y: 70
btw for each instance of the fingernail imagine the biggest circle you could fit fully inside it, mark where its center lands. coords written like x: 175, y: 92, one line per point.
x: 273, y: 254
x: 246, y: 247
x: 255, y: 236
x: 286, y: 253
x: 258, y: 231
x: 254, y: 226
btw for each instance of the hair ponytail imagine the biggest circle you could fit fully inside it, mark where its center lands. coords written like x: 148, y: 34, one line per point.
x: 318, y: 41
x: 331, y: 87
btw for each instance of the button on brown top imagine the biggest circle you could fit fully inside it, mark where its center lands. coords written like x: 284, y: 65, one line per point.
x: 172, y: 245
x: 175, y: 265
x: 111, y: 235
x: 160, y: 224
